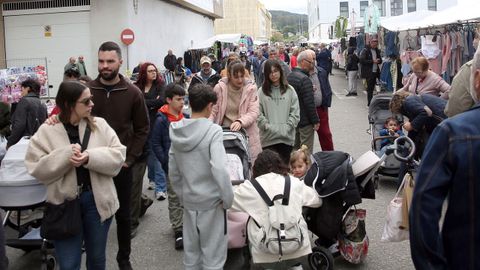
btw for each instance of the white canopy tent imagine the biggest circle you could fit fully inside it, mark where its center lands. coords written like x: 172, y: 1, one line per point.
x: 225, y: 38
x: 423, y: 19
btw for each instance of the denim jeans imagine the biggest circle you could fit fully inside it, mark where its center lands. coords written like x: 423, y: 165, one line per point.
x: 95, y: 234
x: 123, y: 185
x: 155, y: 171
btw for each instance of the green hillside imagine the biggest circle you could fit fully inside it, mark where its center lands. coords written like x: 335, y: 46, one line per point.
x: 287, y: 22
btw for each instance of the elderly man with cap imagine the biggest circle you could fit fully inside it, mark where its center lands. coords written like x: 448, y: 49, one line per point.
x: 207, y: 75
x: 370, y: 59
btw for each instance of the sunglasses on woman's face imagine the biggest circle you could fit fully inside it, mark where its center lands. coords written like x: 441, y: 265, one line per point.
x: 86, y: 101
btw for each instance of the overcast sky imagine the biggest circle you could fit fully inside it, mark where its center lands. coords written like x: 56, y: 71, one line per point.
x: 295, y: 6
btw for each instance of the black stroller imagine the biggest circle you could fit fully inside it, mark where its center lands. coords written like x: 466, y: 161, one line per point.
x: 378, y: 113
x: 333, y: 178
x: 22, y: 198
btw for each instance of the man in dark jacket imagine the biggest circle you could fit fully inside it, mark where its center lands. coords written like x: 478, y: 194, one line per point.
x: 29, y: 114
x: 169, y: 61
x: 370, y: 59
x: 309, y: 122
x: 123, y: 107
x: 206, y: 75
x: 449, y: 173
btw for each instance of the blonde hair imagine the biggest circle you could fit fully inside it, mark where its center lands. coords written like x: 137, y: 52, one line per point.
x: 422, y: 62
x: 301, y: 154
x: 397, y: 101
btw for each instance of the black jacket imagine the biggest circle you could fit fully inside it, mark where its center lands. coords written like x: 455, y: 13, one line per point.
x: 352, y: 60
x: 4, y: 119
x: 212, y: 80
x: 303, y: 86
x: 366, y: 62
x: 169, y: 62
x: 29, y: 114
x: 124, y: 109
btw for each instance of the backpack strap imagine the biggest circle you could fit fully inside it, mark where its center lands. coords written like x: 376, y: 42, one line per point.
x: 285, y: 196
x: 286, y: 190
x: 86, y: 138
x: 262, y: 192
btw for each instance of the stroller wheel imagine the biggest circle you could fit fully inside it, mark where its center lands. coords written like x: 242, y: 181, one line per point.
x: 50, y: 262
x: 320, y: 259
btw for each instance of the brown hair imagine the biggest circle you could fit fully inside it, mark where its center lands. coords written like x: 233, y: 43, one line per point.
x: 235, y: 67
x: 68, y: 94
x: 391, y: 118
x: 269, y: 161
x: 397, y: 101
x: 301, y: 154
x: 421, y: 61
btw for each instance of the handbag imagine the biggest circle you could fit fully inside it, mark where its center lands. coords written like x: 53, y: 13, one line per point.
x: 407, y: 199
x: 393, y: 231
x: 353, y: 240
x: 62, y: 221
x: 237, y: 229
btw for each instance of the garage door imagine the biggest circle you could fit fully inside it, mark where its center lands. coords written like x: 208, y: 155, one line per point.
x: 27, y: 39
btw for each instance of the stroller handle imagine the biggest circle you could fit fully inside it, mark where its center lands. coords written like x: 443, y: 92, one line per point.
x: 400, y: 143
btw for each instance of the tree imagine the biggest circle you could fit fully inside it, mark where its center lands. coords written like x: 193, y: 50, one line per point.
x: 341, y: 27
x: 289, y: 29
x: 276, y: 37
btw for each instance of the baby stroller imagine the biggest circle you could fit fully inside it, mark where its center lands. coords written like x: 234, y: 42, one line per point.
x: 23, y: 196
x: 239, y: 168
x: 341, y: 184
x: 378, y: 112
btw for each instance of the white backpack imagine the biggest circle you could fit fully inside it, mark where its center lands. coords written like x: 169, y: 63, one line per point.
x: 282, y: 234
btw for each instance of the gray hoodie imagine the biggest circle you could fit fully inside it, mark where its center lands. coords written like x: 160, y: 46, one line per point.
x: 198, y: 164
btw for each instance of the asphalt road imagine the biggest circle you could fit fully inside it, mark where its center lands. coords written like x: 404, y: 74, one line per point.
x: 153, y: 248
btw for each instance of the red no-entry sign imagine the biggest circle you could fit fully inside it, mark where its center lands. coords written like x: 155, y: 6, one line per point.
x: 127, y: 36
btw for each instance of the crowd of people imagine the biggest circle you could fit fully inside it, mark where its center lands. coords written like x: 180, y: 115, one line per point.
x: 104, y: 134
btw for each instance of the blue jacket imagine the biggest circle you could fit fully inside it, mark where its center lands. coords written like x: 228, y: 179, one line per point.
x: 450, y: 167
x: 161, y: 140
x: 414, y: 109
x: 385, y: 132
x: 325, y: 86
x: 324, y: 59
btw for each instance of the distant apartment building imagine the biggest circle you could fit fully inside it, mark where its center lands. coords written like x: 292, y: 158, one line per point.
x: 323, y: 13
x: 248, y: 17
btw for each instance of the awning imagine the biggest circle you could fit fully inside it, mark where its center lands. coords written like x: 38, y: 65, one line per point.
x: 224, y: 38
x: 423, y: 19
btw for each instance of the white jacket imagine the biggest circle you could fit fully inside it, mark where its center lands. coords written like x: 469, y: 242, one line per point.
x: 246, y: 199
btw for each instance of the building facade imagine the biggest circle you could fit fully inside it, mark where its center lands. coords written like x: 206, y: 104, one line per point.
x: 55, y: 30
x: 323, y: 13
x: 248, y: 17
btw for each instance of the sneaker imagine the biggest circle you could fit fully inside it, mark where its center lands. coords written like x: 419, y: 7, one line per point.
x: 178, y: 240
x: 151, y: 186
x: 161, y: 195
x: 297, y: 266
x: 144, y: 206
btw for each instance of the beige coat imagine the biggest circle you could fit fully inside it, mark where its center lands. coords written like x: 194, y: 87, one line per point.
x: 246, y: 199
x: 48, y: 155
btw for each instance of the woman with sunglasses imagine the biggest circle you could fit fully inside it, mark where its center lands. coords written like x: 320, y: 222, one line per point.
x: 56, y: 159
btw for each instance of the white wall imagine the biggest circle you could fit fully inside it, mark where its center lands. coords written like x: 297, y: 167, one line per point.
x: 25, y: 39
x: 158, y: 27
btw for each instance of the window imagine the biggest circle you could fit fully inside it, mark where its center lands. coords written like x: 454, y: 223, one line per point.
x: 363, y: 6
x: 396, y: 7
x: 412, y: 5
x: 381, y: 7
x: 432, y: 5
x: 344, y: 9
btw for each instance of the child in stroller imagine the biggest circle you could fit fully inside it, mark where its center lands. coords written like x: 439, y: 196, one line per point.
x: 378, y: 114
x: 330, y: 174
x: 392, y: 129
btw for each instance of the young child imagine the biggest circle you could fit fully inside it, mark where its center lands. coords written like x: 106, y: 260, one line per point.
x: 300, y: 162
x: 168, y: 113
x: 197, y: 171
x: 392, y: 128
x: 270, y: 171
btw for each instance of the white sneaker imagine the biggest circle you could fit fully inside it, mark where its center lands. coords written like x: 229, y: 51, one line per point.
x: 161, y: 195
x: 151, y: 186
